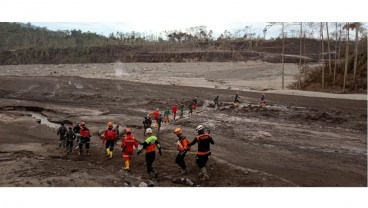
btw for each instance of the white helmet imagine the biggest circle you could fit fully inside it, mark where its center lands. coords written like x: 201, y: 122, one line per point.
x: 148, y: 131
x: 200, y: 127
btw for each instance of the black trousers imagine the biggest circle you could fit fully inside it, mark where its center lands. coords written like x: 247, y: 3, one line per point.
x: 180, y: 160
x: 201, y: 160
x: 84, y: 140
x: 69, y: 146
x: 150, y: 158
x: 110, y: 144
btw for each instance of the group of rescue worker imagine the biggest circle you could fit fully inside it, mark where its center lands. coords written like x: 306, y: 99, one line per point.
x: 79, y: 132
x: 150, y: 144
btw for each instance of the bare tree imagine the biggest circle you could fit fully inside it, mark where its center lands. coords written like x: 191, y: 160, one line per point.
x: 356, y: 26
x: 329, y: 50
x: 336, y: 55
x: 300, y: 54
x: 323, y: 58
x: 346, y: 26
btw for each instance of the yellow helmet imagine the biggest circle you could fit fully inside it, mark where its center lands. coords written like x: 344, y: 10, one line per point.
x: 109, y: 124
x: 178, y: 131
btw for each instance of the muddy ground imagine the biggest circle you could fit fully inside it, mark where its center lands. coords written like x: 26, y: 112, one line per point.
x: 293, y: 141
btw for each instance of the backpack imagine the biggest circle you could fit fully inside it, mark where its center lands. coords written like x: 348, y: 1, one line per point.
x: 110, y: 134
x: 147, y: 120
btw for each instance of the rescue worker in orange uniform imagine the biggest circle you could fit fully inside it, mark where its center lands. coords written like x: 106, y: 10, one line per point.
x: 174, y: 109
x: 109, y: 137
x: 183, y: 148
x: 150, y: 145
x: 204, y: 141
x: 85, y: 138
x: 127, y: 147
x: 155, y: 116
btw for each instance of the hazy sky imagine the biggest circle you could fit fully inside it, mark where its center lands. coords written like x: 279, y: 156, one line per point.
x: 154, y: 16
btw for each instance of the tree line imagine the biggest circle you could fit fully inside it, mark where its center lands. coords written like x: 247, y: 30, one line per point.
x: 343, y: 56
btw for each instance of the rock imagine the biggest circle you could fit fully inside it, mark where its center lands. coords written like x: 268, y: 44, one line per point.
x: 189, y: 182
x: 38, y: 121
x: 142, y: 184
x: 115, y: 182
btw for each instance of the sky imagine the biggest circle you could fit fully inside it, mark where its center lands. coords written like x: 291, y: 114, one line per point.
x: 155, y: 16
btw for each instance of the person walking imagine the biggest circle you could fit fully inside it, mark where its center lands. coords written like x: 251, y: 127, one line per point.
x: 204, y: 142
x: 236, y: 100
x: 117, y: 132
x: 166, y: 115
x: 174, y: 109
x: 263, y: 101
x: 194, y: 103
x: 109, y: 137
x: 61, y: 133
x: 76, y: 130
x: 70, y: 137
x: 150, y: 145
x: 155, y: 116
x: 85, y: 138
x: 159, y: 122
x: 190, y: 109
x: 182, y: 110
x: 127, y: 145
x: 183, y: 148
x: 216, y: 101
x: 147, y: 122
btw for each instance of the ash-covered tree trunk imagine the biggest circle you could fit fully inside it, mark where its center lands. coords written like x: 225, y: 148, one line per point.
x: 346, y: 57
x: 329, y: 50
x: 323, y: 58
x: 357, y: 26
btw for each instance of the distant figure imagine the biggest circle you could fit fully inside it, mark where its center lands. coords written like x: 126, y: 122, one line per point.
x: 216, y: 101
x: 117, y: 132
x: 166, y: 115
x: 159, y: 122
x: 236, y: 100
x: 190, y: 109
x: 85, y: 138
x: 194, y: 103
x: 76, y: 130
x: 182, y: 110
x: 70, y: 137
x: 263, y: 101
x: 61, y: 133
x: 147, y: 122
x: 155, y: 116
x: 174, y: 109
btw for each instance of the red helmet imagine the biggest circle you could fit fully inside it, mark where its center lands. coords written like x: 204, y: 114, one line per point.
x: 128, y: 130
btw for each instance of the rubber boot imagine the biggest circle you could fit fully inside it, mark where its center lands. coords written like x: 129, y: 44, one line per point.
x: 110, y: 154
x: 107, y: 152
x: 127, y: 165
